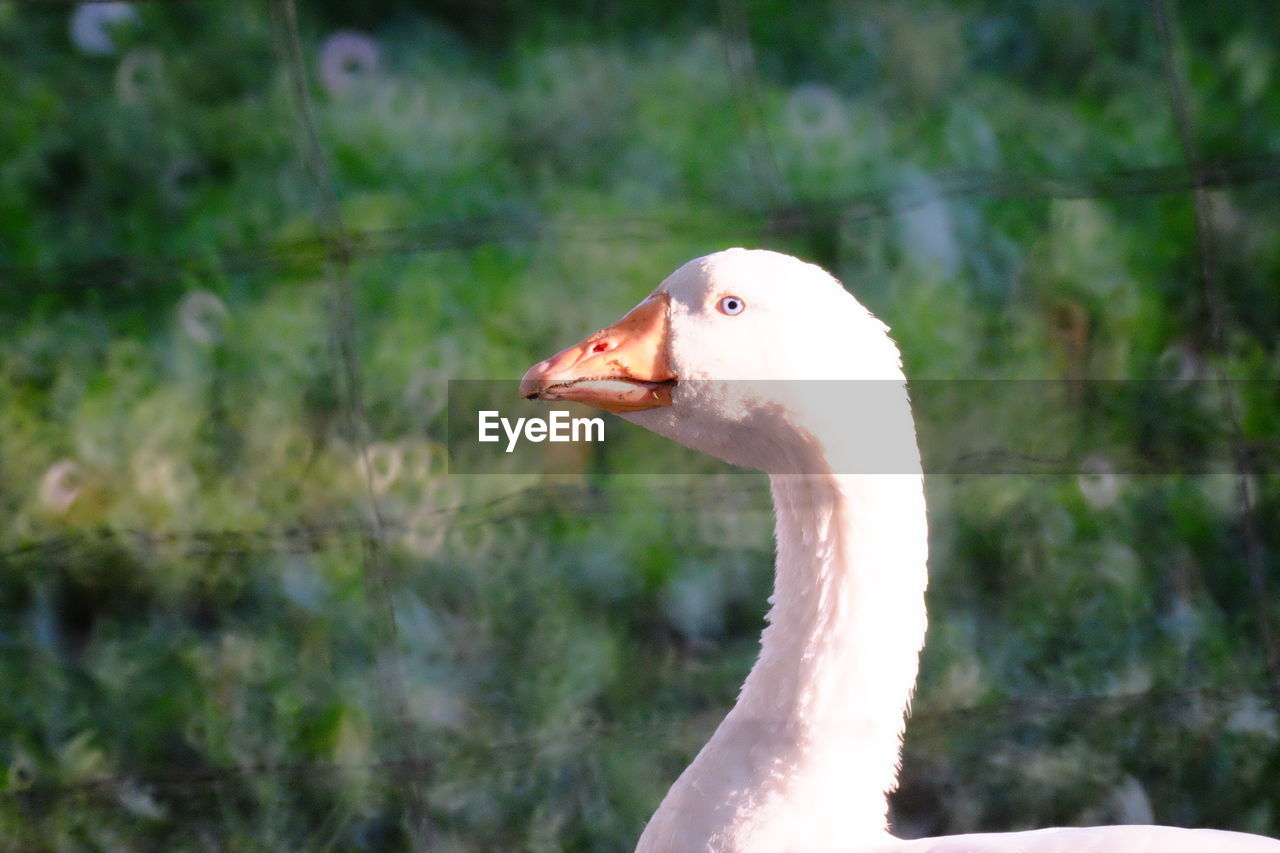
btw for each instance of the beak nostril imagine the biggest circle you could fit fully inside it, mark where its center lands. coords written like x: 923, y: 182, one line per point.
x: 601, y: 346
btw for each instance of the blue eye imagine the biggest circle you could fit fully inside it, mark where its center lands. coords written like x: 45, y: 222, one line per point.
x: 730, y: 305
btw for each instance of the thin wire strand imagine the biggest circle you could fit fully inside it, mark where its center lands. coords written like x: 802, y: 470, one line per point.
x: 528, y: 226
x: 1216, y: 310
x: 374, y: 546
x: 740, y: 61
x: 1026, y: 709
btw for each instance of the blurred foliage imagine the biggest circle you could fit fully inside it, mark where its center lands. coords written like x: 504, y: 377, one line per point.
x: 206, y: 643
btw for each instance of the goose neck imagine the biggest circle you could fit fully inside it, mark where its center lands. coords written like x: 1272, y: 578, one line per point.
x: 839, y: 656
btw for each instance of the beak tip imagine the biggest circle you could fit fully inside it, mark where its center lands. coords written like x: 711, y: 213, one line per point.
x: 533, y: 382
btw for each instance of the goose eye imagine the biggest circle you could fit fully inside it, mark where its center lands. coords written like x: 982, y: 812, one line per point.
x: 730, y: 305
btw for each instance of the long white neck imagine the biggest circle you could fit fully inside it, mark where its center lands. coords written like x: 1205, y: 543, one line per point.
x: 807, y: 755
x: 840, y: 654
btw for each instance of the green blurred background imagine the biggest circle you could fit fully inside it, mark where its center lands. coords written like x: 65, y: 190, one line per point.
x: 244, y: 246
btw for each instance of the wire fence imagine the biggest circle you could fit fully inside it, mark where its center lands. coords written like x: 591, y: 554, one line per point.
x: 336, y: 247
x: 1211, y: 281
x: 412, y: 771
x: 1020, y: 709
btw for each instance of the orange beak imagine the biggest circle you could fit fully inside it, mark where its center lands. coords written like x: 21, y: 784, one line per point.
x: 623, y: 368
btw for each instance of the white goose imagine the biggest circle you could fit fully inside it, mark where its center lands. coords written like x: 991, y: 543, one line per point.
x: 804, y: 760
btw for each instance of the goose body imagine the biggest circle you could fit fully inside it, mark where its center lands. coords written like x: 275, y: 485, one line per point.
x: 767, y: 362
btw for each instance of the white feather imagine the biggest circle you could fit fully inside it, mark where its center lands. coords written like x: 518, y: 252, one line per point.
x: 804, y: 761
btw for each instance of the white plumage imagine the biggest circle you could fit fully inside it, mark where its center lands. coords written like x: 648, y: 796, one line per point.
x: 806, y: 385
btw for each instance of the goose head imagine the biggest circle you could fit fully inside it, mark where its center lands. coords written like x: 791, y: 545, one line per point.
x: 752, y: 356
